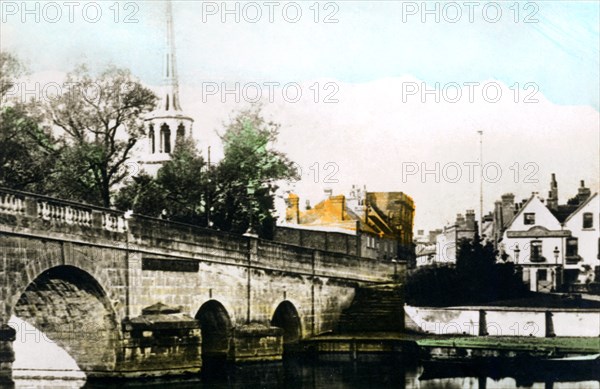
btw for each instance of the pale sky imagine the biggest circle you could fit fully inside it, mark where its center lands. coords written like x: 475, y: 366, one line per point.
x: 364, y: 62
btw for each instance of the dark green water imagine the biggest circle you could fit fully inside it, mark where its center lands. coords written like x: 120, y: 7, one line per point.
x: 302, y: 373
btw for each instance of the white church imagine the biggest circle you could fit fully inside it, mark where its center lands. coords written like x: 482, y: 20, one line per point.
x: 167, y: 123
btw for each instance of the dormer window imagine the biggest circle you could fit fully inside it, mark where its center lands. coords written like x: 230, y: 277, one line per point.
x: 529, y: 219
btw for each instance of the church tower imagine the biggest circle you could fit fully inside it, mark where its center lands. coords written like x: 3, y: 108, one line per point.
x: 167, y: 124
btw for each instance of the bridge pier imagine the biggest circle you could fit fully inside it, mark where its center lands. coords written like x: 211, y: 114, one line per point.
x: 7, y: 354
x: 255, y: 342
x: 161, y: 341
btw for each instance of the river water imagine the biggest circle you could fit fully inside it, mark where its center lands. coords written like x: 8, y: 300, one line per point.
x: 301, y: 373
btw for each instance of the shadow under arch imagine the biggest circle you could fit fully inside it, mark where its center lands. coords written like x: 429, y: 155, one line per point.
x: 287, y: 318
x: 217, y: 331
x: 71, y: 309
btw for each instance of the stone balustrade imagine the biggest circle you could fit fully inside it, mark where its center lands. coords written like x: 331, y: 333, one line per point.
x: 59, y: 211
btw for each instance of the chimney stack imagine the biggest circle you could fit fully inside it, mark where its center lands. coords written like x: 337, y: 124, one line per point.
x: 583, y: 193
x: 552, y: 202
x: 292, y: 212
x: 470, y: 219
x: 338, y: 204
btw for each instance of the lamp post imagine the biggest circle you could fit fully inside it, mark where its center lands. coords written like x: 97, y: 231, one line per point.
x: 518, y: 268
x: 558, y: 270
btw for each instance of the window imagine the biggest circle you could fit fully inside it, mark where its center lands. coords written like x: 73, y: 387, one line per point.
x: 588, y: 220
x: 571, y: 247
x: 180, y: 133
x: 536, y: 251
x: 529, y: 219
x: 370, y: 242
x: 165, y: 139
x: 151, y: 136
x: 542, y: 275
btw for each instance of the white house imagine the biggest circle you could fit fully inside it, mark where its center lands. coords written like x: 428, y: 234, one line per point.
x: 555, y: 245
x: 535, y: 239
x: 582, y: 249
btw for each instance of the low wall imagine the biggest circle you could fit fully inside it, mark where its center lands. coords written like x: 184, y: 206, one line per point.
x: 336, y: 242
x: 504, y: 321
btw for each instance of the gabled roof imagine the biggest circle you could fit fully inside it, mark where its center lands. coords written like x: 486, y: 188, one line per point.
x: 520, y: 211
x: 563, y: 212
x: 581, y: 206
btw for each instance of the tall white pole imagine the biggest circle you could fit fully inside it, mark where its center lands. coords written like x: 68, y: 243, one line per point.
x: 481, y: 184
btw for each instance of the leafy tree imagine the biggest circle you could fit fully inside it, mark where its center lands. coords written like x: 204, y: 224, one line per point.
x: 100, y: 120
x: 143, y: 195
x: 235, y: 194
x: 475, y: 279
x: 184, y: 181
x: 26, y: 147
x: 245, y: 180
x: 177, y: 193
x: 10, y: 69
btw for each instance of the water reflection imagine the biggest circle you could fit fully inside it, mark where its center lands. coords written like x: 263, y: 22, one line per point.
x: 303, y: 373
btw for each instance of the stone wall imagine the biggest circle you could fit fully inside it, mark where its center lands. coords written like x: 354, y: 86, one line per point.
x: 500, y: 321
x: 321, y: 240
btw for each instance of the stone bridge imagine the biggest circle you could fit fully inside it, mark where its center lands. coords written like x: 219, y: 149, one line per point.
x: 137, y: 296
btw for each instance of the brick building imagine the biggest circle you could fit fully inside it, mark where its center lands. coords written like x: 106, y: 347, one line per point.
x: 380, y: 222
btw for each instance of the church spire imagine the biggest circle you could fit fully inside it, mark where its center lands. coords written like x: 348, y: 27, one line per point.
x: 170, y: 97
x: 167, y: 124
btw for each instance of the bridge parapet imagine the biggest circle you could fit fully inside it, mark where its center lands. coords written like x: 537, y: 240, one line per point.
x: 56, y: 212
x: 59, y: 218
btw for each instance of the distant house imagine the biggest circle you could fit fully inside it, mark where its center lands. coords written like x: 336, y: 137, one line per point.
x: 557, y: 246
x: 465, y: 227
x: 582, y: 249
x: 425, y: 247
x: 382, y: 223
x: 533, y: 240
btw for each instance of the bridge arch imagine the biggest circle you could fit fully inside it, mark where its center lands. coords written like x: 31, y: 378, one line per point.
x: 46, y: 258
x: 217, y: 330
x: 287, y: 318
x: 70, y: 307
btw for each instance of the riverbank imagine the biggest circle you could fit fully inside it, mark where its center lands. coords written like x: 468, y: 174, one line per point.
x: 351, y: 346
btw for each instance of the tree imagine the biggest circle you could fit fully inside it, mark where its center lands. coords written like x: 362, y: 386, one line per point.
x: 177, y: 193
x: 100, y: 120
x: 183, y: 180
x: 10, y: 69
x: 475, y: 279
x: 26, y: 147
x: 245, y: 180
x: 143, y: 195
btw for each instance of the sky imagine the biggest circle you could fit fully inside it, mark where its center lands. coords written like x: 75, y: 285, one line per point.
x: 524, y: 73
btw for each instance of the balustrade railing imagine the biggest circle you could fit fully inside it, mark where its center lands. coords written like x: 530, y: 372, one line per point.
x: 12, y: 203
x: 60, y: 212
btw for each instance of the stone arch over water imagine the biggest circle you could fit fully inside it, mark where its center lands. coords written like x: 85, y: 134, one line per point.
x: 71, y: 309
x: 287, y: 318
x: 217, y: 330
